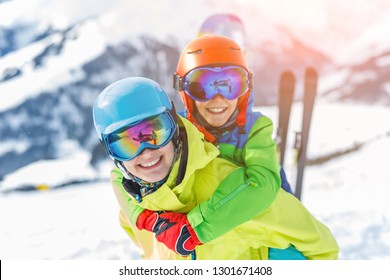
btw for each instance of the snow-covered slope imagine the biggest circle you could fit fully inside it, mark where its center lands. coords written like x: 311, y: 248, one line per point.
x: 349, y: 194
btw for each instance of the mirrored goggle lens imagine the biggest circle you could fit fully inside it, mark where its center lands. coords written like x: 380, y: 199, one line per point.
x: 151, y: 133
x: 204, y: 83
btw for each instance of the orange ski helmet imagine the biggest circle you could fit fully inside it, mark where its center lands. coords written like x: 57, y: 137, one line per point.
x: 211, y: 51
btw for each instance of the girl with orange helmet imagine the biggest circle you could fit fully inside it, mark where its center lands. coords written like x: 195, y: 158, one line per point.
x: 215, y: 85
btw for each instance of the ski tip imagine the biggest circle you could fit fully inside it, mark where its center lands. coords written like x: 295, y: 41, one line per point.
x: 287, y: 74
x: 286, y: 84
x: 311, y: 72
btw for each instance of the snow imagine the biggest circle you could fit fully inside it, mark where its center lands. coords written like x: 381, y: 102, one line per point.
x: 351, y: 197
x: 70, y: 223
x: 52, y: 172
x: 349, y: 194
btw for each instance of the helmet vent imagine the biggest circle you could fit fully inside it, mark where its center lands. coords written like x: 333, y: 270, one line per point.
x: 199, y: 51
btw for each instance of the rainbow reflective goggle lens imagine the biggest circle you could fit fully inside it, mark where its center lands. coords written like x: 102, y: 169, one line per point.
x: 153, y: 133
x: 204, y: 83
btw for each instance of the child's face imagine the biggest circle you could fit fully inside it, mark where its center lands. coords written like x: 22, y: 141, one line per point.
x: 152, y: 165
x: 217, y: 110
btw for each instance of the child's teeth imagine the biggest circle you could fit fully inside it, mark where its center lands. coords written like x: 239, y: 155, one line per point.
x: 149, y: 164
x: 216, y: 110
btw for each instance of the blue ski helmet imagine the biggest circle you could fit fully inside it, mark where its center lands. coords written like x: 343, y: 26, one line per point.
x: 128, y: 101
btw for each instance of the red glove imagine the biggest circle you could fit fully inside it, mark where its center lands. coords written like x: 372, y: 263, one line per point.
x: 147, y: 219
x: 172, y: 229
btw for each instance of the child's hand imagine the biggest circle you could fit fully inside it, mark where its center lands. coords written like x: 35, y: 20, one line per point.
x: 172, y: 229
x: 147, y: 220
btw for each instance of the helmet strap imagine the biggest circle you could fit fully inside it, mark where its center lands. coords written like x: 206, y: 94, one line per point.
x: 242, y: 108
x: 207, y: 135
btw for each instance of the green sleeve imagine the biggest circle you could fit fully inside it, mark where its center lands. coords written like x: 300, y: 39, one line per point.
x: 129, y: 208
x: 245, y: 193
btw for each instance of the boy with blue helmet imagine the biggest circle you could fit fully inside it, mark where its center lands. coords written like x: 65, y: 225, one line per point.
x: 120, y: 105
x: 165, y: 170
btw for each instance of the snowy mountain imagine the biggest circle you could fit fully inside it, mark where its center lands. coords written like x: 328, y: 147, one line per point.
x: 366, y: 82
x: 55, y: 57
x: 49, y: 94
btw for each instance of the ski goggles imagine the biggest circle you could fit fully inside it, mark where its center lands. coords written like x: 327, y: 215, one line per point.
x: 152, y: 133
x: 204, y: 83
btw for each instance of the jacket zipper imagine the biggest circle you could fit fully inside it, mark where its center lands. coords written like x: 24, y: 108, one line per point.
x: 232, y: 194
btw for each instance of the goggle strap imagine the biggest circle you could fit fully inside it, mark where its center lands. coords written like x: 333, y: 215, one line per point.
x: 182, y: 135
x: 173, y: 112
x: 103, y: 143
x: 178, y: 83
